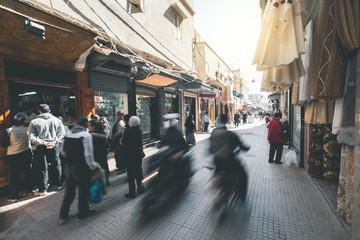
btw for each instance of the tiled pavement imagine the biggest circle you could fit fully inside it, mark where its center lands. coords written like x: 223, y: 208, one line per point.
x: 282, y: 203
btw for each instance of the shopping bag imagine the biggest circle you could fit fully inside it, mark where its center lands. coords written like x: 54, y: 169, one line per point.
x: 291, y: 159
x: 96, y: 192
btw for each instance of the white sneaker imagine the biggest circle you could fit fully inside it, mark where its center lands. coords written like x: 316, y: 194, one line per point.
x: 38, y: 193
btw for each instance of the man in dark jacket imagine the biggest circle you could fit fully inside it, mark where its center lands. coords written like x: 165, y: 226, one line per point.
x: 133, y: 154
x: 117, y: 133
x: 276, y: 139
x: 79, y: 159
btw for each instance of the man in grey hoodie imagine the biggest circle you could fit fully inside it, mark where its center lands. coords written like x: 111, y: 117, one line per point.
x: 46, y: 132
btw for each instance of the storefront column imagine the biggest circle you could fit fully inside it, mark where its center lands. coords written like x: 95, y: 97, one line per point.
x: 161, y: 101
x: 356, y: 189
x: 131, y: 97
x: 4, y: 123
x: 180, y: 99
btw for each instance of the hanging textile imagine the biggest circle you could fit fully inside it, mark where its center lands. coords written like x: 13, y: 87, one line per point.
x: 347, y: 127
x: 326, y: 72
x: 319, y: 112
x: 316, y: 152
x: 338, y: 111
x: 306, y: 59
x: 347, y: 15
x: 345, y: 189
x: 332, y: 153
x: 279, y: 43
x: 324, y: 153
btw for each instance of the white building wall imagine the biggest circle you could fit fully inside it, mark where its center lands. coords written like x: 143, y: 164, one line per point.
x: 150, y: 31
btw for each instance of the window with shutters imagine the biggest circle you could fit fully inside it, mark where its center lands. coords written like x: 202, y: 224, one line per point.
x: 177, y: 24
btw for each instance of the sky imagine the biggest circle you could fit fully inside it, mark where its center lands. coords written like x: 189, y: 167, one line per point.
x: 232, y: 29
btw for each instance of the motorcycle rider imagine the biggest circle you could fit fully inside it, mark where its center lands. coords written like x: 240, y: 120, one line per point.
x: 222, y: 146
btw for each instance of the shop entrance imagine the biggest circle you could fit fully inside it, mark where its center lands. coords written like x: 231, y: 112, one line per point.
x: 189, y: 107
x: 61, y: 100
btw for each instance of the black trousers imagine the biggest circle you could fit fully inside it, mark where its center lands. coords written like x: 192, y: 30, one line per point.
x: 278, y: 148
x: 42, y: 158
x: 76, y: 177
x: 18, y: 163
x: 134, y: 171
x: 119, y: 158
x: 206, y: 126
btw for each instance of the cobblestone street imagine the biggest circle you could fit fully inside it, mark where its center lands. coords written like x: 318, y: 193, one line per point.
x: 283, y: 203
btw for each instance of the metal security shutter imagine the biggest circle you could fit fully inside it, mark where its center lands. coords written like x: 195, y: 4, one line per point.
x: 108, y: 82
x: 296, y: 136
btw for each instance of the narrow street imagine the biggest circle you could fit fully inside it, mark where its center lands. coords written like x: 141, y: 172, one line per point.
x: 282, y: 203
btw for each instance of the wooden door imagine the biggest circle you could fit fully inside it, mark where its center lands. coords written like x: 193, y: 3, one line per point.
x: 4, y: 123
x: 86, y: 103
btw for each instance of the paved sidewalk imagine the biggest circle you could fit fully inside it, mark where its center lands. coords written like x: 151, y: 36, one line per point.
x: 283, y: 203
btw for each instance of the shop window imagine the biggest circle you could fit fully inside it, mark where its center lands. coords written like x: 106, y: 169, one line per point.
x: 170, y: 103
x: 143, y: 111
x: 107, y: 103
x: 26, y: 71
x: 25, y: 97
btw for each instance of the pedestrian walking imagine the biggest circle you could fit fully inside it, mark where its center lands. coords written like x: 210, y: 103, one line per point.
x: 237, y: 119
x: 133, y: 155
x: 190, y: 131
x: 19, y: 156
x: 244, y: 117
x: 79, y: 166
x: 116, y: 134
x: 276, y: 139
x: 46, y: 132
x: 206, y: 121
x: 100, y: 145
x: 286, y: 128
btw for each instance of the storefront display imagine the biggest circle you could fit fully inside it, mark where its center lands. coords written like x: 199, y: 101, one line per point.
x: 27, y: 96
x: 107, y: 103
x: 143, y: 104
x: 170, y: 103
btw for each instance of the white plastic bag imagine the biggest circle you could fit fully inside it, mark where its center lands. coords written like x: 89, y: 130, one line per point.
x: 291, y: 159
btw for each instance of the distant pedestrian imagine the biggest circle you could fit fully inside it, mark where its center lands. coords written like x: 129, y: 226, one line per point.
x: 133, y: 155
x: 244, y: 116
x: 46, y: 132
x: 19, y: 156
x: 276, y: 139
x: 237, y: 119
x: 190, y: 130
x: 286, y: 128
x: 206, y: 121
x: 116, y: 134
x: 101, y: 145
x: 80, y: 165
x: 267, y: 118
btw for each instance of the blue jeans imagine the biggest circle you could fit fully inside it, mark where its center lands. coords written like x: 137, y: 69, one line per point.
x: 42, y: 158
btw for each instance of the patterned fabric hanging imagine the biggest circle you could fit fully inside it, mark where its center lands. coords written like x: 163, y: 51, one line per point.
x: 326, y: 72
x: 345, y: 189
x: 324, y: 153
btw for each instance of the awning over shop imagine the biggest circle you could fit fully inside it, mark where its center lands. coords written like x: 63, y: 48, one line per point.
x: 274, y: 96
x: 208, y: 95
x: 158, y: 80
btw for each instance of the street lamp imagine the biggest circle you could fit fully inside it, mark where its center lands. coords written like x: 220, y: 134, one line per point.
x: 253, y: 81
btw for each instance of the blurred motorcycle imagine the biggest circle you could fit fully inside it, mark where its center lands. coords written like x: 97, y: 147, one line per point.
x: 174, y: 171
